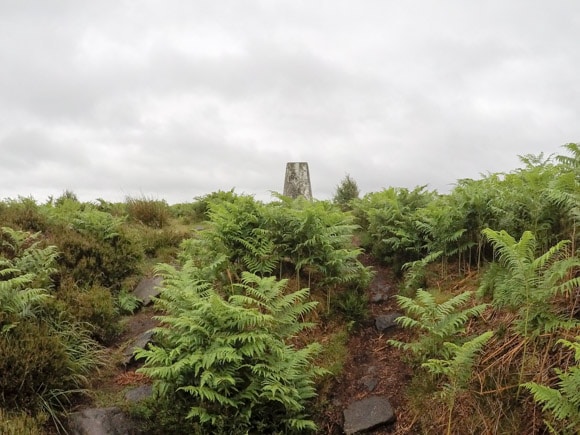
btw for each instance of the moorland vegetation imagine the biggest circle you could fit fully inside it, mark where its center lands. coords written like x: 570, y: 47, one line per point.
x: 258, y: 300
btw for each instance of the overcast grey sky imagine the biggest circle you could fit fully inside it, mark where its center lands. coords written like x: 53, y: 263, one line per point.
x: 174, y: 99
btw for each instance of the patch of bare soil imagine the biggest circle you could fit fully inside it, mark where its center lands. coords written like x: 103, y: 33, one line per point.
x: 373, y: 367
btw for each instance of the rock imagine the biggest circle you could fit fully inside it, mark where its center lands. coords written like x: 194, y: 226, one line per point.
x: 138, y: 343
x: 381, y: 294
x: 367, y: 413
x: 147, y: 289
x: 378, y: 298
x: 386, y: 321
x: 139, y: 393
x: 101, y: 421
x: 370, y: 383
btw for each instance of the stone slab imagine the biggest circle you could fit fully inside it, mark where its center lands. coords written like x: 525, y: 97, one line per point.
x: 139, y: 393
x: 386, y: 321
x: 367, y: 413
x: 381, y: 294
x: 101, y: 421
x: 147, y: 289
x: 370, y: 383
x: 138, y: 343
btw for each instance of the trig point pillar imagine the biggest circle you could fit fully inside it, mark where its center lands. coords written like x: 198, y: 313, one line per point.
x: 297, y: 181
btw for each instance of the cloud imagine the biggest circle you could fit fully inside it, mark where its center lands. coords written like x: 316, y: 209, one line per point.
x: 176, y: 100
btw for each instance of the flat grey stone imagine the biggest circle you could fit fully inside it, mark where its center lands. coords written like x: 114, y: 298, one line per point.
x: 138, y: 343
x: 370, y: 383
x: 386, y: 321
x: 139, y: 393
x: 367, y: 413
x: 147, y: 289
x: 101, y: 421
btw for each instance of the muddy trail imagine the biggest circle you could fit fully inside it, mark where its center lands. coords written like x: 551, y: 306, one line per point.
x: 372, y: 368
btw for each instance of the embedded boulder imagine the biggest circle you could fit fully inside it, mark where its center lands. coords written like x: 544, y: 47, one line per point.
x: 147, y: 289
x: 139, y: 393
x: 140, y: 342
x: 101, y: 421
x: 367, y: 413
x: 381, y: 294
x: 386, y: 321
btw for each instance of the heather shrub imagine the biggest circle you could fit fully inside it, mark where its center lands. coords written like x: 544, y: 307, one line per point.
x: 34, y: 360
x: 45, y: 354
x: 92, y: 260
x: 95, y: 307
x: 24, y: 214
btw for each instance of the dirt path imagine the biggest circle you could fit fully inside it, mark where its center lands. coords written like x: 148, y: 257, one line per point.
x: 107, y: 389
x: 373, y: 367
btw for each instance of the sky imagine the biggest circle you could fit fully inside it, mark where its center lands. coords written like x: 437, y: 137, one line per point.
x: 176, y: 99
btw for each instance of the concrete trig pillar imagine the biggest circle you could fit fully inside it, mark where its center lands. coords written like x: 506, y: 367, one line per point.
x: 297, y: 181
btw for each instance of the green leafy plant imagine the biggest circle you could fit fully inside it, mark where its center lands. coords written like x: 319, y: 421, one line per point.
x: 227, y: 358
x: 563, y: 402
x: 25, y: 270
x: 127, y: 302
x: 45, y: 358
x: 353, y: 305
x: 526, y: 283
x: 202, y: 205
x: 316, y: 239
x: 416, y: 273
x: 456, y: 370
x: 436, y: 322
x: 388, y: 222
x: 346, y: 191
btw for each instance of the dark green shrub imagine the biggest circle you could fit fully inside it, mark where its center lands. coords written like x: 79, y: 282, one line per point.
x: 388, y: 222
x: 67, y: 195
x: 151, y: 212
x: 346, y: 192
x: 96, y: 307
x: 92, y: 260
x: 34, y: 361
x: 201, y: 206
x: 45, y: 355
x: 24, y: 214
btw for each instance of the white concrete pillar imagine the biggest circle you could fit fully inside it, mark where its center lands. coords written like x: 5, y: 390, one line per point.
x: 297, y: 180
